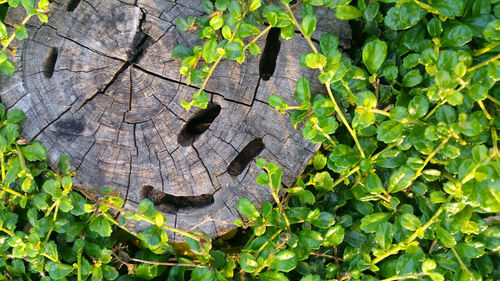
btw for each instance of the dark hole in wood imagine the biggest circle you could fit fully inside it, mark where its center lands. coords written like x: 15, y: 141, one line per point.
x: 72, y: 4
x: 170, y: 203
x: 69, y: 126
x: 249, y: 152
x: 267, y: 63
x: 50, y: 63
x: 198, y: 124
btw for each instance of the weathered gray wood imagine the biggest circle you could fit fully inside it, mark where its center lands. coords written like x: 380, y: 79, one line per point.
x: 112, y: 103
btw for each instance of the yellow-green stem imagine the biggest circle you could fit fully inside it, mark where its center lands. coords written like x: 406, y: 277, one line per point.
x: 6, y: 231
x: 485, y: 49
x: 378, y: 111
x: 327, y: 85
x: 462, y: 264
x: 481, y: 105
x: 433, y: 153
x: 264, y: 31
x: 409, y: 276
x: 494, y: 100
x: 13, y: 35
x: 410, y: 239
x: 483, y: 63
x: 434, y: 109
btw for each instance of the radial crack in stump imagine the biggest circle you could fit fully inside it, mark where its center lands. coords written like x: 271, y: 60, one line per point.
x: 98, y: 84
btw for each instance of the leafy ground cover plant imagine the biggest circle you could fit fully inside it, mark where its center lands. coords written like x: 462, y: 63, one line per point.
x: 19, y: 32
x: 405, y: 186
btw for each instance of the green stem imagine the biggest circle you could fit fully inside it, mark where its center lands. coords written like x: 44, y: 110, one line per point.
x: 142, y: 217
x: 494, y: 100
x: 79, y: 265
x: 410, y: 239
x: 427, y: 7
x: 434, y: 109
x: 11, y: 191
x: 483, y: 63
x: 485, y: 49
x: 378, y: 111
x: 13, y: 35
x: 481, y: 105
x: 264, y: 31
x: 6, y: 231
x: 429, y: 157
x: 462, y: 264
x: 494, y: 139
x: 409, y: 276
x: 2, y: 159
x: 327, y: 85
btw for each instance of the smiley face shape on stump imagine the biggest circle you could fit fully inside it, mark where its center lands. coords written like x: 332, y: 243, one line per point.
x: 98, y: 83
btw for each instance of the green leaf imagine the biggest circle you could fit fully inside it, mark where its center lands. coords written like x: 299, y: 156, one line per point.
x: 412, y: 78
x: 384, y: 234
x: 14, y: 3
x: 58, y: 270
x: 254, y: 49
x: 404, y: 16
x: 410, y: 221
x: 28, y: 5
x: 247, y: 208
x: 210, y: 51
x: 323, y: 181
x: 285, y: 260
x: 370, y: 222
x: 216, y: 22
x: 3, y: 56
x: 374, y: 184
x: 34, y: 152
x: 389, y: 131
x: 181, y: 52
x: 53, y: 188
x: 147, y: 208
x: 101, y: 226
x: 347, y: 12
x: 374, y: 54
x: 315, y: 60
x: 7, y: 68
x: 15, y: 116
x: 449, y: 8
x: 277, y: 102
x: 334, y: 236
x: 273, y: 276
x: 21, y: 32
x: 262, y: 179
x: 3, y: 31
x: 457, y: 36
x: 248, y: 262
x: 435, y: 27
x: 329, y: 45
x: 246, y: 30
x: 310, y: 239
x: 418, y: 107
x: 400, y: 179
x: 254, y: 4
x: 371, y: 11
x: 308, y: 24
x: 234, y: 50
x: 444, y: 237
x: 319, y: 161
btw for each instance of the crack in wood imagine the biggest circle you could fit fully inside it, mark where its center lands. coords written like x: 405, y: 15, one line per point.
x: 50, y: 62
x: 247, y: 154
x: 72, y: 5
x: 267, y: 62
x: 171, y: 203
x: 198, y: 124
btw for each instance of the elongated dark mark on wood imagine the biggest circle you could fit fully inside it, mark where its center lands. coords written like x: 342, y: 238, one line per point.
x: 198, y: 124
x: 170, y: 203
x: 267, y: 62
x: 50, y: 63
x: 72, y: 4
x: 249, y: 152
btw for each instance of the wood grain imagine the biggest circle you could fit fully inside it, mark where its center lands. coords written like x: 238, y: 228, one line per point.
x: 98, y: 84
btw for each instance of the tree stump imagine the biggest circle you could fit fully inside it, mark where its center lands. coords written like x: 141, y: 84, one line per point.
x: 98, y: 84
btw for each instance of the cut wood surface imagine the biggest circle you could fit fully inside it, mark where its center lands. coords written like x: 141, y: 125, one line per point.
x: 98, y: 84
